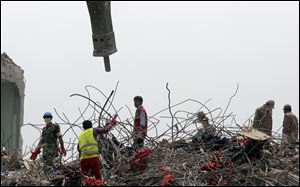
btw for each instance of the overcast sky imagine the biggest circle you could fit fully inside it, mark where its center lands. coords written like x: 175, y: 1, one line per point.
x: 203, y: 49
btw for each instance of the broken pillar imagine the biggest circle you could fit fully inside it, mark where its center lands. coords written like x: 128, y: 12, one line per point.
x: 12, y: 103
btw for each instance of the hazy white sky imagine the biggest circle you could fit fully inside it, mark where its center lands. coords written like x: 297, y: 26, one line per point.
x: 203, y: 49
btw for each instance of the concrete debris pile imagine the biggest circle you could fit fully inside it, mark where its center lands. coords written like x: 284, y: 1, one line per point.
x: 176, y: 163
x: 18, y: 172
x: 228, y: 154
x: 188, y: 166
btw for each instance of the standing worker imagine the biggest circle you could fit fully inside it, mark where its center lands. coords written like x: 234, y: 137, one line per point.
x: 263, y: 118
x: 88, y: 146
x: 48, y: 142
x: 140, y: 124
x: 290, y: 126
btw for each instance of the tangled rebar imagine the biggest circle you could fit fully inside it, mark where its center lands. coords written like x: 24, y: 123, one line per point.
x: 214, y: 160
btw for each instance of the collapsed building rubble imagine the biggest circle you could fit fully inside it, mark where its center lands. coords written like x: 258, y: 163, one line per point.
x: 234, y: 156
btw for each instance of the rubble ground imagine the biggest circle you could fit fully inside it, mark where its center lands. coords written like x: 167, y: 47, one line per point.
x: 178, y: 156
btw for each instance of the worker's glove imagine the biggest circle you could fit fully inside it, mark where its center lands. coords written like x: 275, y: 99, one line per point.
x: 63, y: 150
x: 34, y: 154
x: 113, y: 121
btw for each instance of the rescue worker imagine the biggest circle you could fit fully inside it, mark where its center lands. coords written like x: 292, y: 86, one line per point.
x: 140, y: 124
x: 206, y: 130
x: 48, y: 142
x: 290, y: 126
x: 263, y: 118
x: 88, y: 146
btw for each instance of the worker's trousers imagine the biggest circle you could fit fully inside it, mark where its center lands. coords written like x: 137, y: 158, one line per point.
x: 91, y: 164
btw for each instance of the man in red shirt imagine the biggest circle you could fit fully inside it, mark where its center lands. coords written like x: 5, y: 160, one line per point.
x: 140, y: 124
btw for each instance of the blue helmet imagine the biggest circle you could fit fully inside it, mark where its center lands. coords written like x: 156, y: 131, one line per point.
x: 47, y: 115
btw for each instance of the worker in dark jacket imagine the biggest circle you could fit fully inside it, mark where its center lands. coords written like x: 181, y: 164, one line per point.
x: 263, y: 118
x: 290, y: 126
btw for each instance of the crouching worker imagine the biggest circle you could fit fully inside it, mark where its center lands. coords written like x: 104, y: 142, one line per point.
x: 88, y: 147
x: 207, y: 131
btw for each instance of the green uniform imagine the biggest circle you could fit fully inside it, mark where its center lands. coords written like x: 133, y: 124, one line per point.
x: 50, y: 134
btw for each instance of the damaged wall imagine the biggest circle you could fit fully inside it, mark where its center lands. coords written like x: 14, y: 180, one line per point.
x: 12, y: 103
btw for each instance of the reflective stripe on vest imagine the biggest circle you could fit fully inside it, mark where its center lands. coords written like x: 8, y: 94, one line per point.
x: 87, y: 144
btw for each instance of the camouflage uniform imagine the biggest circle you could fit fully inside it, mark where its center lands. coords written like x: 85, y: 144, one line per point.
x: 50, y: 134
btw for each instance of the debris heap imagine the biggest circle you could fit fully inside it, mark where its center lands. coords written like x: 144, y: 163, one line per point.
x: 234, y: 155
